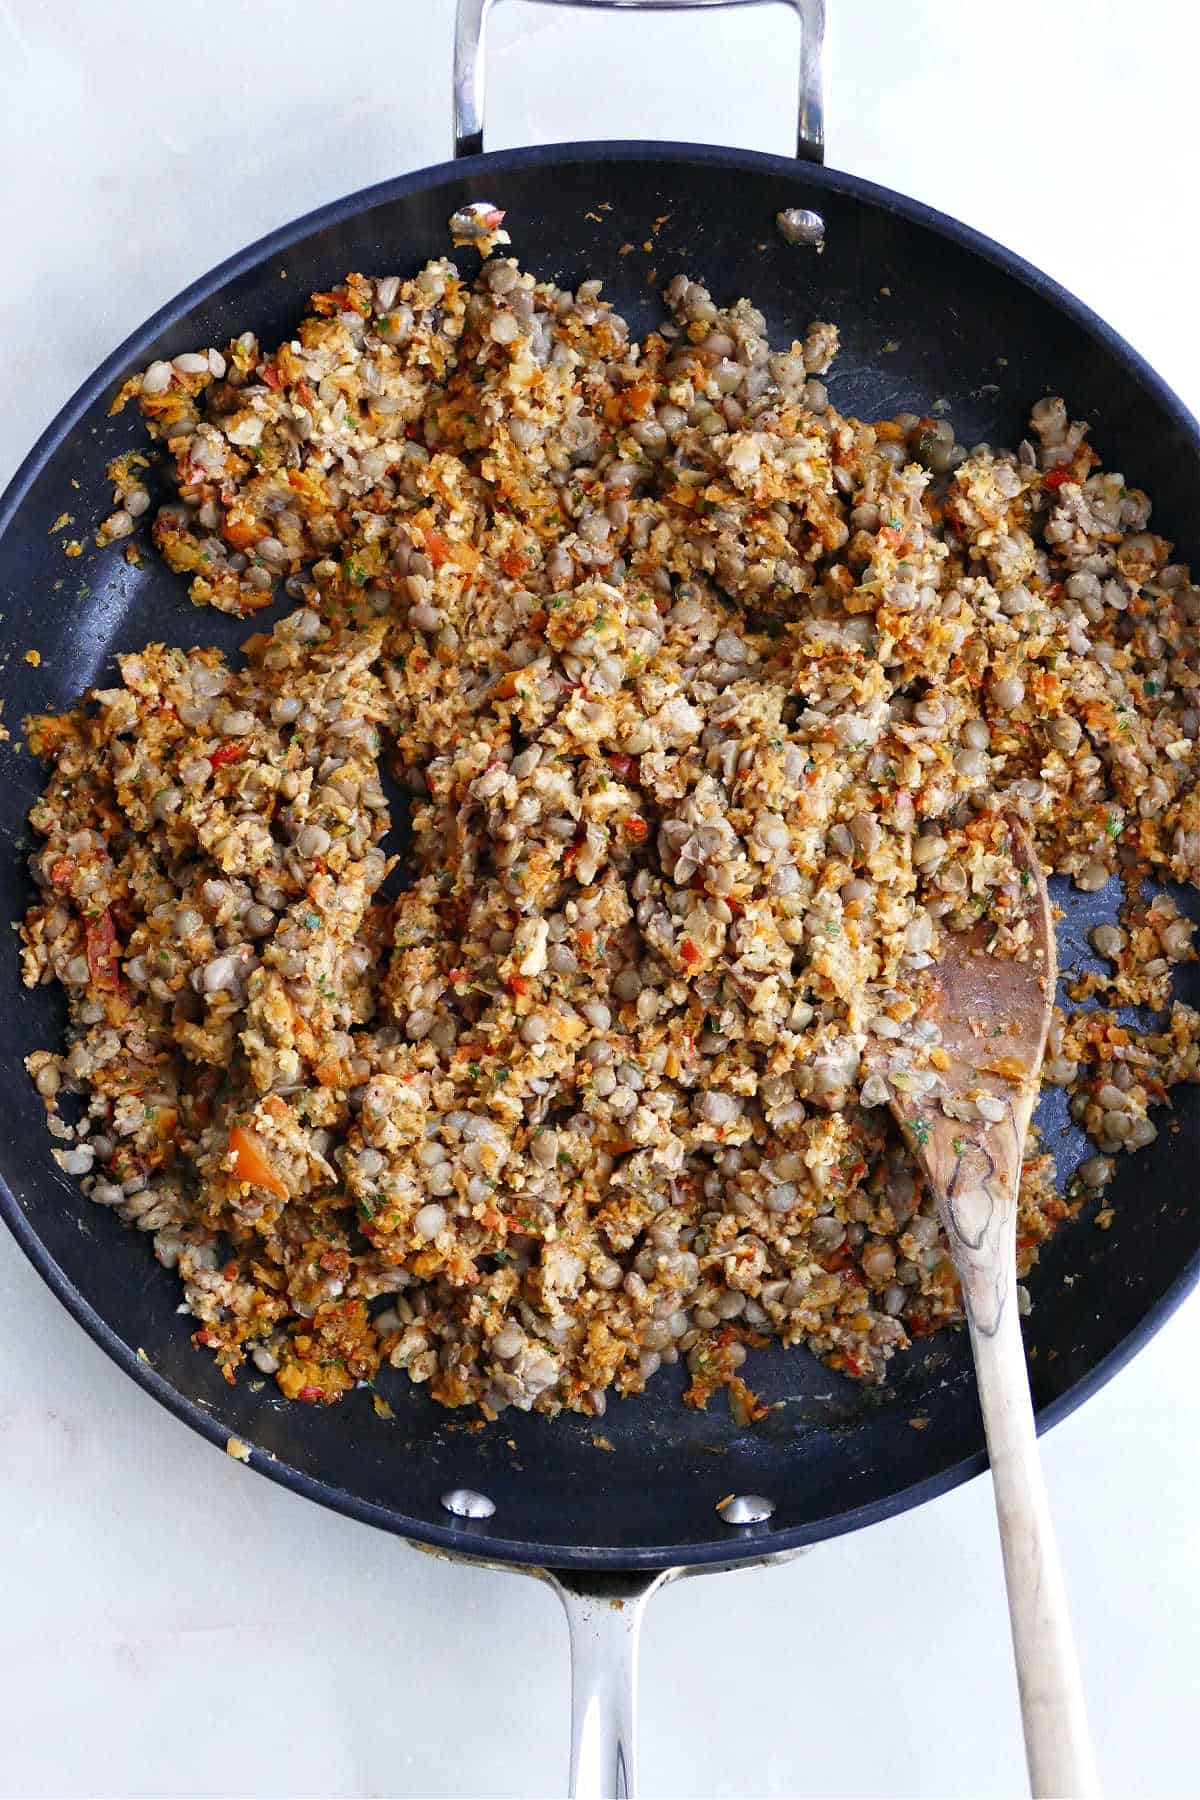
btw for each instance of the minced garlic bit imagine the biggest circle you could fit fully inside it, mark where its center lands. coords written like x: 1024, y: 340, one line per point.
x: 34, y: 658
x: 240, y: 1452
x: 712, y: 705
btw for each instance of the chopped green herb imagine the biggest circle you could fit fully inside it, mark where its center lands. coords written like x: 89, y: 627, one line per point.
x: 920, y: 1130
x: 958, y: 1146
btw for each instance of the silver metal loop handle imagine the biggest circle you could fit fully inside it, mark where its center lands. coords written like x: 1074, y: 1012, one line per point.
x: 469, y: 68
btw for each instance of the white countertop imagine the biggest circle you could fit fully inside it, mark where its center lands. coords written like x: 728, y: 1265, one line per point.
x: 173, y: 1625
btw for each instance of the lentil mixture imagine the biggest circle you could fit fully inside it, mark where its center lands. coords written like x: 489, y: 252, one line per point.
x: 711, y: 706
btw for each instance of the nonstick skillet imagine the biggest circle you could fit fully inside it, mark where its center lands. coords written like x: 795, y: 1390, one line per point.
x: 927, y: 309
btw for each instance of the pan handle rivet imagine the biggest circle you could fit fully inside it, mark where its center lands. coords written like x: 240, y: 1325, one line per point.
x: 745, y: 1509
x: 465, y: 1503
x: 799, y: 225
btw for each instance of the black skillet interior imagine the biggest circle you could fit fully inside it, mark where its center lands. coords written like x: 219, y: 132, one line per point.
x: 927, y: 312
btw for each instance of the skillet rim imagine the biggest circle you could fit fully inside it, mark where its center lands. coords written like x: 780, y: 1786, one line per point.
x: 466, y: 1539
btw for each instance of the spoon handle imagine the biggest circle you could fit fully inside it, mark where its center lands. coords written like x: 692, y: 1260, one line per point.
x: 1058, y: 1744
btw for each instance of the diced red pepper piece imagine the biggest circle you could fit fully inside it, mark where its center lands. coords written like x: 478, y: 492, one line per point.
x: 251, y: 1162
x: 244, y: 533
x: 689, y: 953
x: 1056, y: 478
x: 103, y: 953
x: 228, y: 753
x: 335, y: 301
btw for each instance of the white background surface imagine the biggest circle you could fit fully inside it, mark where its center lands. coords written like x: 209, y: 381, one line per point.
x: 171, y: 1624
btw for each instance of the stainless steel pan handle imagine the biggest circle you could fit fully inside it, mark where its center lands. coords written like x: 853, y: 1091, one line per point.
x: 604, y: 1613
x: 469, y: 66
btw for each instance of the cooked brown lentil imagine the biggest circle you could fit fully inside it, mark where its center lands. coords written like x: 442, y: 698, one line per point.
x: 711, y: 704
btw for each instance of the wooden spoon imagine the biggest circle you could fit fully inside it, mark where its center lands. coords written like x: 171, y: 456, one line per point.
x: 994, y: 1014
